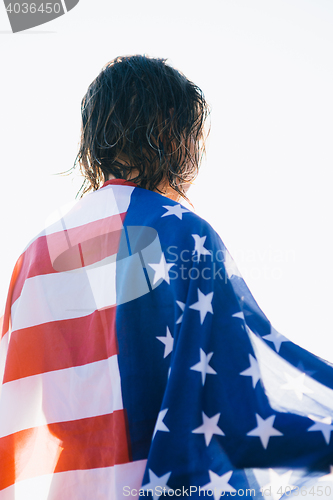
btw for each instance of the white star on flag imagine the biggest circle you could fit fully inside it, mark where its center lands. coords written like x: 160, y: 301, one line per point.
x: 253, y: 371
x: 167, y: 341
x: 296, y: 384
x: 230, y: 266
x: 155, y: 481
x: 276, y: 338
x: 204, y: 304
x: 203, y: 365
x: 240, y: 315
x: 278, y: 483
x: 177, y: 210
x: 182, y: 306
x: 209, y: 427
x: 324, y: 425
x: 160, y: 425
x: 199, y: 246
x: 161, y: 270
x: 327, y: 477
x: 264, y: 429
x: 219, y: 484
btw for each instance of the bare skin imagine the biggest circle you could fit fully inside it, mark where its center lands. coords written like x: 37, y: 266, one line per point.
x: 163, y: 188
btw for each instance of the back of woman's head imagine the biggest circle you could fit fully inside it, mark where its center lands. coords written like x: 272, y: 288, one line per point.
x: 144, y: 120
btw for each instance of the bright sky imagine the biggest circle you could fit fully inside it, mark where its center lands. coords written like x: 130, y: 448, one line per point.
x: 266, y: 68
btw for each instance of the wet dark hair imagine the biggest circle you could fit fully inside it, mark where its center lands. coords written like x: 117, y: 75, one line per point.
x: 140, y: 113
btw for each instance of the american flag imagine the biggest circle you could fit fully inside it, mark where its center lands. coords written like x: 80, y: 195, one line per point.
x: 136, y: 363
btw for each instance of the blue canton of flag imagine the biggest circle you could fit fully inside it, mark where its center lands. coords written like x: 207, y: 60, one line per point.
x: 240, y: 409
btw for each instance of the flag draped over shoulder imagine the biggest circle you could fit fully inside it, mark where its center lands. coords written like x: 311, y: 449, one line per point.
x: 135, y: 363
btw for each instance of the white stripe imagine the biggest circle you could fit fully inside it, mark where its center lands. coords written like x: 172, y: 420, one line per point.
x: 59, y: 396
x: 3, y: 355
x: 108, y: 483
x: 66, y: 295
x: 103, y: 203
x: 111, y: 200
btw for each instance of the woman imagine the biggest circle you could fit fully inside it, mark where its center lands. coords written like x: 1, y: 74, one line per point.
x: 136, y: 362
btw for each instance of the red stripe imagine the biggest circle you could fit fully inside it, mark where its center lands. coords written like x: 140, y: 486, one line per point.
x: 121, y: 182
x: 64, y: 250
x: 10, y: 297
x: 61, y: 344
x: 83, y: 444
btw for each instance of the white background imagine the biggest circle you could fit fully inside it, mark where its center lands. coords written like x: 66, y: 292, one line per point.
x: 266, y: 68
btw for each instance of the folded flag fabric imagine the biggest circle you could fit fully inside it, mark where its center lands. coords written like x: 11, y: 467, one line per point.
x: 135, y: 363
